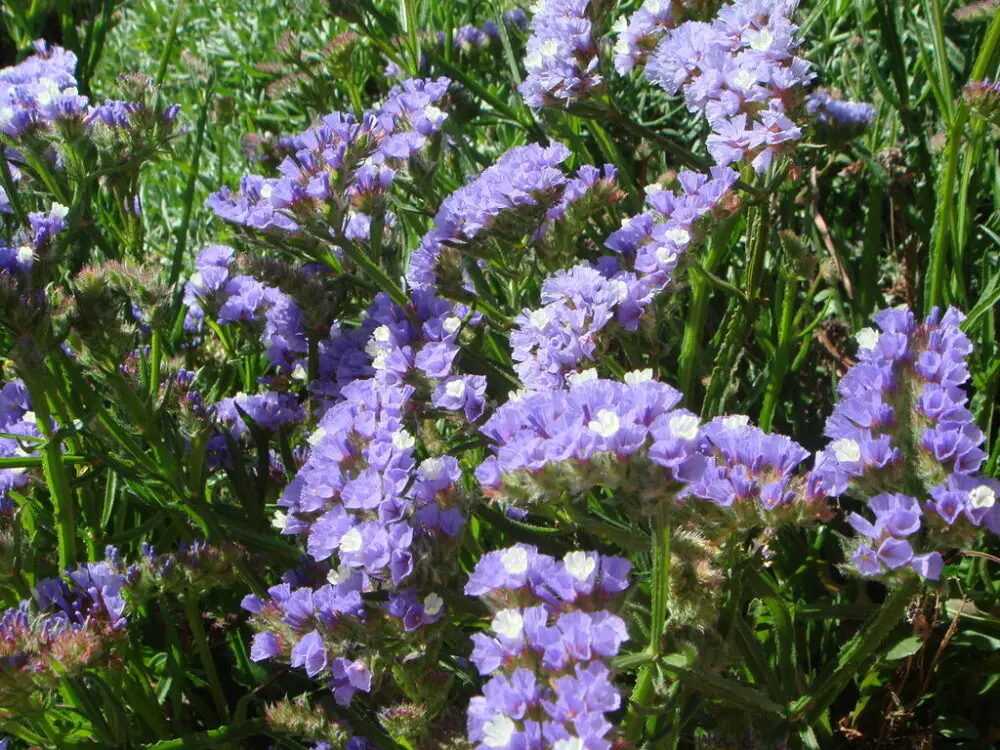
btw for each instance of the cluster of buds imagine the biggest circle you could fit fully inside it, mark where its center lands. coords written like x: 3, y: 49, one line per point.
x: 140, y: 122
x: 312, y: 722
x: 902, y: 426
x: 984, y: 97
x: 195, y: 568
x: 549, y: 649
x: 70, y: 627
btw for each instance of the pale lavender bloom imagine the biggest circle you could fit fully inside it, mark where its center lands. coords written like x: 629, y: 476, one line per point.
x: 561, y: 60
x: 897, y: 517
x: 465, y: 393
x: 903, y: 356
x: 741, y: 72
x: 524, y: 178
x: 39, y: 91
x: 641, y: 34
x: 411, y: 115
x: 565, y: 698
x: 269, y: 411
x: 554, y: 341
x: 839, y: 115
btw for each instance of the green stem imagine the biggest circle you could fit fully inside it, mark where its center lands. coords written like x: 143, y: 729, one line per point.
x: 643, y: 693
x: 695, y: 324
x: 161, y: 69
x: 642, y: 696
x: 810, y: 707
x: 742, y: 316
x: 205, y: 654
x: 943, y: 215
x: 155, y: 357
x: 189, y: 188
x: 64, y: 506
x: 943, y: 218
x: 786, y: 338
x: 409, y: 13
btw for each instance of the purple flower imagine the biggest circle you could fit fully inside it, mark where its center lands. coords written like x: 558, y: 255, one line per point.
x: 520, y: 187
x: 897, y: 519
x: 740, y: 71
x: 747, y: 465
x: 639, y: 35
x: 570, y: 688
x: 310, y: 653
x: 839, y: 116
x: 903, y: 357
x: 561, y: 55
x: 348, y: 678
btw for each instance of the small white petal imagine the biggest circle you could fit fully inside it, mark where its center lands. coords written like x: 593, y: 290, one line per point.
x: 515, y: 560
x: 846, y: 450
x: 579, y: 565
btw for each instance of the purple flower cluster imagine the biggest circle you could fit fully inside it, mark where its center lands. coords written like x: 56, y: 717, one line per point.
x: 508, y: 199
x: 39, y: 90
x: 42, y: 91
x: 742, y: 73
x: 631, y: 438
x: 310, y: 628
x: 903, y: 401
x: 562, y: 54
x: 16, y: 418
x: 410, y: 116
x: 552, y: 442
x: 902, y: 421
x: 234, y: 299
x: 94, y: 592
x: 418, y: 346
x: 129, y: 116
x: 361, y: 495
x: 896, y: 518
x: 69, y: 626
x: 754, y: 473
x: 552, y: 342
x: 269, y: 411
x: 842, y: 117
x: 590, y: 188
x: 27, y: 245
x: 551, y: 641
x: 340, y: 169
x: 640, y: 34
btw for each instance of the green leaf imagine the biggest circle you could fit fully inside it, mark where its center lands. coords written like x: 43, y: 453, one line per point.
x: 906, y: 647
